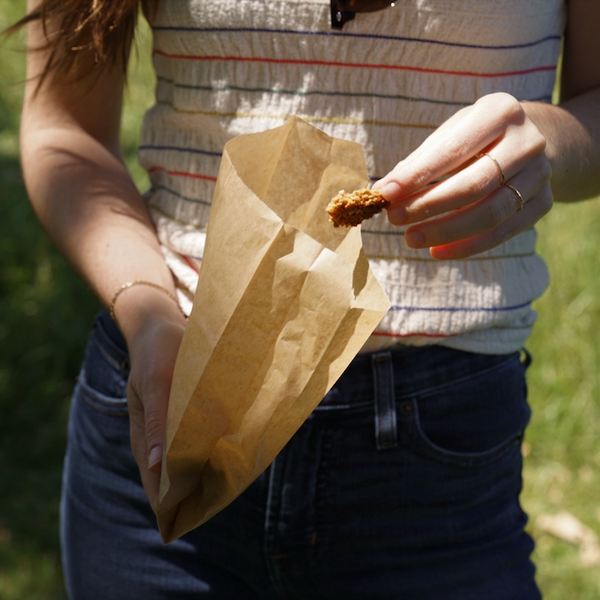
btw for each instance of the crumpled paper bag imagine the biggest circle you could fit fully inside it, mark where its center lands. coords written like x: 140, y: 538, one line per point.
x: 284, y: 303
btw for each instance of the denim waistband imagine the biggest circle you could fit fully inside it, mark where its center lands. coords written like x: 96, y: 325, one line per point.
x: 415, y: 369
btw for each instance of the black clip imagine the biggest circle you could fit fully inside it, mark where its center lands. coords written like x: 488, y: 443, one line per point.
x: 339, y: 16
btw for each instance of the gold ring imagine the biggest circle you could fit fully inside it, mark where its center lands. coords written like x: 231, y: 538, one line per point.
x: 502, y: 176
x: 519, y: 197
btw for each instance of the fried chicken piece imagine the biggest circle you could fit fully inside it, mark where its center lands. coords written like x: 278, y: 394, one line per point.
x: 349, y: 210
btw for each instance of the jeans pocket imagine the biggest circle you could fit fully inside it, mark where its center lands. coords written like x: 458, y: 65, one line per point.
x: 102, y: 381
x: 473, y: 421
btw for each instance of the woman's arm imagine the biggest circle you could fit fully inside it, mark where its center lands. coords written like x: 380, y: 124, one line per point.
x: 572, y: 129
x: 544, y: 151
x: 88, y: 204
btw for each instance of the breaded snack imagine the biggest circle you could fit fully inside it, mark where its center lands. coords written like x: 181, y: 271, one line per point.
x: 349, y: 210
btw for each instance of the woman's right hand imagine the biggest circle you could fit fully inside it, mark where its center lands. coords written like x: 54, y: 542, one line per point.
x: 153, y: 327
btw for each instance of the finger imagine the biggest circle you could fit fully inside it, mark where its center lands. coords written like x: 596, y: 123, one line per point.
x: 429, y: 141
x: 438, y: 133
x: 533, y: 210
x: 477, y: 180
x: 472, y: 183
x: 484, y: 215
x: 451, y: 146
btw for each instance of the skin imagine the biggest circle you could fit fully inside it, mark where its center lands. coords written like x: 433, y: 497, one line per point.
x: 88, y: 204
x: 546, y: 152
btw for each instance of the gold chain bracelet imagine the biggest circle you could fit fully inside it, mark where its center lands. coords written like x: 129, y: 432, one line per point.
x: 129, y: 284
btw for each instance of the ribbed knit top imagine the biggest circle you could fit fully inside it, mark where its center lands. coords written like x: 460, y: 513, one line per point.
x: 386, y: 81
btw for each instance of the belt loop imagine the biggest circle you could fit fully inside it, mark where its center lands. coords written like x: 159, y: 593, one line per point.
x: 385, y: 401
x: 525, y: 358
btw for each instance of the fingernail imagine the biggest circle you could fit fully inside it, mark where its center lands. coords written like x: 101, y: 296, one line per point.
x: 155, y: 457
x: 415, y: 239
x: 391, y: 191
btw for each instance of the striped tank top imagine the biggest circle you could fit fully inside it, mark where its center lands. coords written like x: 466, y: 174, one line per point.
x: 386, y: 81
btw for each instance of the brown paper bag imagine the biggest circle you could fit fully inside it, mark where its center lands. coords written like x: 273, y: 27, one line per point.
x: 284, y: 303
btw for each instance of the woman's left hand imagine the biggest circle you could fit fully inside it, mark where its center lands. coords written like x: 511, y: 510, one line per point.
x: 481, y: 178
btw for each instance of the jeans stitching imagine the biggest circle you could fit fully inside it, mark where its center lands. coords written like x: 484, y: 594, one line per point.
x: 91, y: 399
x: 451, y: 457
x: 119, y: 409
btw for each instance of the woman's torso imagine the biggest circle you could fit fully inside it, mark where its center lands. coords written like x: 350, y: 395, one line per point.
x: 387, y: 80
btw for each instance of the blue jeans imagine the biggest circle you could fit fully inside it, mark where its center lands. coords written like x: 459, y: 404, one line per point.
x: 403, y: 484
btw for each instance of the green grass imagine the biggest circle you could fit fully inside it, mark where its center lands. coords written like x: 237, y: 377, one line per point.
x: 562, y: 470
x: 46, y: 313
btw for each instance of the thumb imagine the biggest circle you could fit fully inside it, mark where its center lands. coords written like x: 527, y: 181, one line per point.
x: 153, y: 355
x: 155, y: 435
x: 147, y: 439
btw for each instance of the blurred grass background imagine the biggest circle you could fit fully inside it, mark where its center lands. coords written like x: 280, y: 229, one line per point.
x: 46, y: 313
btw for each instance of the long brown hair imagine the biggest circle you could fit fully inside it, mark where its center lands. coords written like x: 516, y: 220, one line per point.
x: 83, y: 36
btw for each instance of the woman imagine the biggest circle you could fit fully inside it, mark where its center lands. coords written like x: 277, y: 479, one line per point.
x: 404, y: 482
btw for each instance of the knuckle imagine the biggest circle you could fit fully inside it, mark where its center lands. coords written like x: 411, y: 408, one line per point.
x: 421, y: 175
x: 474, y: 186
x: 545, y: 170
x: 470, y: 248
x: 546, y: 200
x: 422, y: 209
x: 498, y: 99
x: 503, y: 234
x: 444, y: 234
x: 538, y: 141
x: 494, y: 215
x: 509, y: 105
x: 534, y: 141
x: 455, y: 145
x: 154, y: 424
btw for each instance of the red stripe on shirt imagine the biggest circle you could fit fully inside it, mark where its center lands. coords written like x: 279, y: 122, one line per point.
x: 182, y: 174
x: 190, y: 263
x: 355, y: 65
